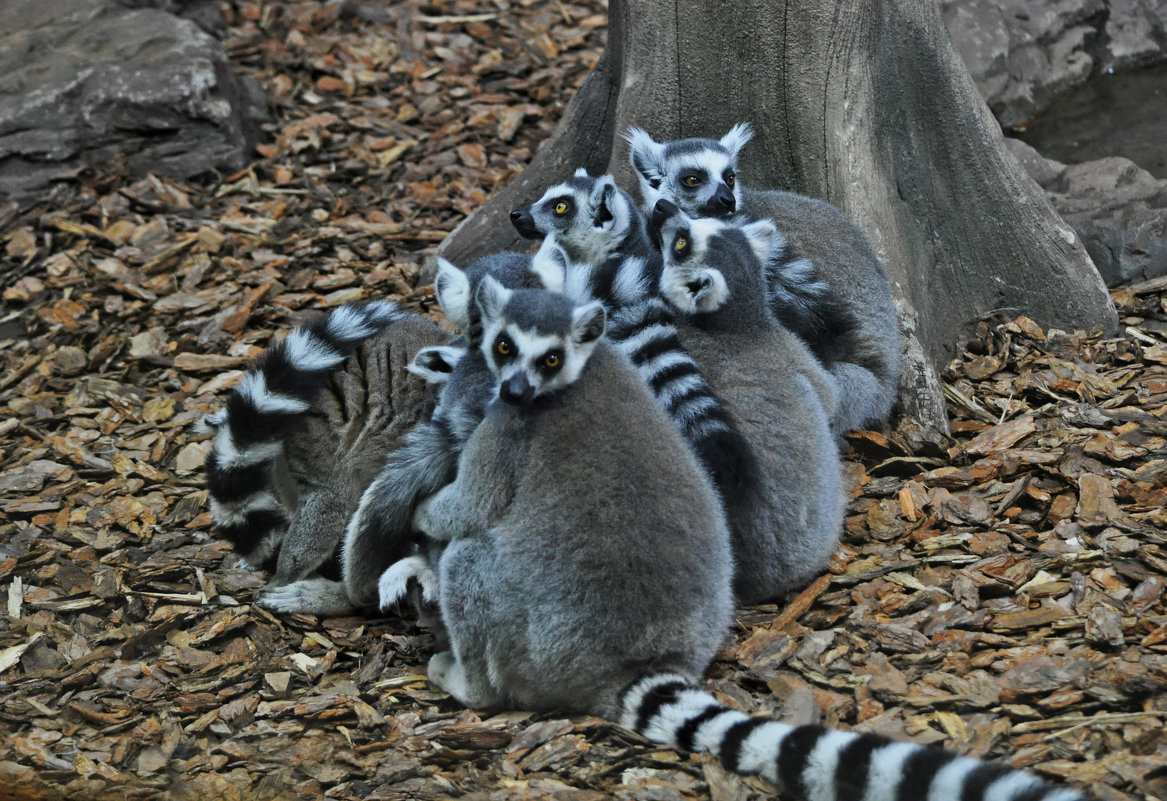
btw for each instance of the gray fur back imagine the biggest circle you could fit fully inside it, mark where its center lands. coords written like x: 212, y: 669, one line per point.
x: 867, y: 374
x: 781, y: 399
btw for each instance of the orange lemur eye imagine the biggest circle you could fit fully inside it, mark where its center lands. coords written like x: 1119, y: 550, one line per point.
x: 680, y: 244
x: 561, y: 208
x: 503, y: 347
x: 730, y: 180
x: 551, y: 360
x: 690, y: 181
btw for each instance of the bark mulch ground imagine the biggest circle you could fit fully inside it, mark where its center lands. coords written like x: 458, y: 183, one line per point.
x: 1000, y: 592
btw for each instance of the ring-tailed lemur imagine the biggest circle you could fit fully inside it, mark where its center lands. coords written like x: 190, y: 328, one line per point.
x: 776, y: 390
x: 825, y: 282
x: 305, y: 430
x: 378, y: 533
x: 587, y: 569
x: 596, y: 246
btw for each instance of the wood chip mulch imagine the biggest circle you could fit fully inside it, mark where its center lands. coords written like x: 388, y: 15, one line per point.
x: 1000, y: 592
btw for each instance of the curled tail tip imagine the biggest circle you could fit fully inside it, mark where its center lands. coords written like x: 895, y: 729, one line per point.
x: 354, y: 322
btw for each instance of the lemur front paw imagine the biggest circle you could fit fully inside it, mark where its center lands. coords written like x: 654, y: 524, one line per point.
x: 394, y: 582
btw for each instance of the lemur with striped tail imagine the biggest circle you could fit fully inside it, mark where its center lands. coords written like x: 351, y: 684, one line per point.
x: 596, y: 246
x: 825, y: 282
x: 378, y: 533
x: 303, y: 433
x: 777, y: 392
x: 587, y: 569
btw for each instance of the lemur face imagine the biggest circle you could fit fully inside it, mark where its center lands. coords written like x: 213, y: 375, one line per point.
x: 587, y: 216
x: 535, y: 342
x: 687, y: 281
x: 699, y: 176
x: 706, y: 259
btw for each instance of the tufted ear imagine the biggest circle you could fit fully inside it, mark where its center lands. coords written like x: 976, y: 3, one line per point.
x: 452, y: 288
x: 647, y: 156
x: 736, y: 139
x: 760, y: 234
x: 588, y: 322
x: 581, y: 172
x: 492, y: 298
x: 435, y: 364
x: 602, y: 196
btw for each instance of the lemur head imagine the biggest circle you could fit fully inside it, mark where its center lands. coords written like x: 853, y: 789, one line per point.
x: 707, y: 260
x: 535, y: 342
x: 698, y: 175
x: 588, y: 217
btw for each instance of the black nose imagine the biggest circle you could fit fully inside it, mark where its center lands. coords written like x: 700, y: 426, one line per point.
x: 524, y: 223
x: 722, y: 204
x: 661, y: 213
x: 516, y: 391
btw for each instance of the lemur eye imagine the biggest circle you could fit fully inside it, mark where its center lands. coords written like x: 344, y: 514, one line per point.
x: 680, y: 244
x: 730, y: 179
x: 561, y: 208
x: 503, y: 347
x: 690, y: 180
x: 551, y: 360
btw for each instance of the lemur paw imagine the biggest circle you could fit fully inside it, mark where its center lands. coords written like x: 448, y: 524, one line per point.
x: 394, y: 582
x: 312, y: 596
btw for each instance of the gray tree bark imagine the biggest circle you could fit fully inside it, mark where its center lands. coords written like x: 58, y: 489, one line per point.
x: 863, y: 103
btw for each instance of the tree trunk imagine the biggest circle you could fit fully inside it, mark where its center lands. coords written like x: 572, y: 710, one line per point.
x: 863, y: 103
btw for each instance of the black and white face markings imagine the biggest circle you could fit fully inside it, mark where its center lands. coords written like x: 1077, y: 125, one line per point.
x: 588, y: 217
x: 698, y: 175
x: 694, y: 254
x: 641, y: 326
x: 535, y: 342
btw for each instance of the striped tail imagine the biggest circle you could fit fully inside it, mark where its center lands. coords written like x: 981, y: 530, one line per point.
x: 816, y: 763
x: 646, y: 333
x: 249, y: 429
x: 806, y: 305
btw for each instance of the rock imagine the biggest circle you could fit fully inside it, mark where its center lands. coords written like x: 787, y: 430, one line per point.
x: 1119, y: 210
x: 207, y: 14
x: 1022, y: 53
x: 84, y: 83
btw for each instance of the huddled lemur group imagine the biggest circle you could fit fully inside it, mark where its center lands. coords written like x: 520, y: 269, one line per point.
x: 637, y: 428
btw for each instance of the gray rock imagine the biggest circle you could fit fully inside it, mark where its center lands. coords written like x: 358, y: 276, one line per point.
x: 83, y: 83
x: 1024, y: 53
x: 207, y: 14
x: 1117, y: 208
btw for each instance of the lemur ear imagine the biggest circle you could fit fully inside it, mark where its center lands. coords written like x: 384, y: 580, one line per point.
x: 581, y: 172
x: 736, y: 139
x: 550, y: 264
x: 760, y: 234
x: 435, y: 364
x: 647, y: 156
x: 603, y: 193
x: 452, y: 288
x: 492, y: 297
x: 588, y: 322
